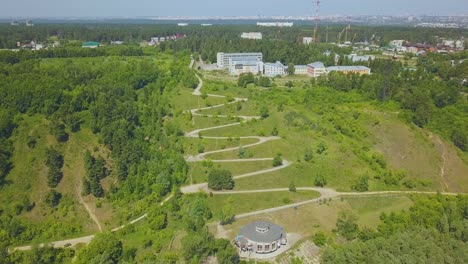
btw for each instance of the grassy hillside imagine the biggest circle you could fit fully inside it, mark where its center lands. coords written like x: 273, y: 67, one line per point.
x: 360, y: 139
x: 26, y: 188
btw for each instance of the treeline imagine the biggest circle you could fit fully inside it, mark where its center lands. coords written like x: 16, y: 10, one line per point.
x: 380, y: 35
x: 71, y: 51
x: 7, y: 125
x: 433, y: 230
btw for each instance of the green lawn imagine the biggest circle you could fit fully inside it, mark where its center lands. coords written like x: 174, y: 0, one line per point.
x: 191, y: 144
x: 308, y: 219
x: 244, y: 203
x: 199, y: 174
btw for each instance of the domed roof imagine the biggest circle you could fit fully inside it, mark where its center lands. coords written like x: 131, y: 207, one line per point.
x: 262, y: 231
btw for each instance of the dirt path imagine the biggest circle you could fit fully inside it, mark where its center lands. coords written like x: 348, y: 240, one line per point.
x: 88, y: 209
x: 85, y: 239
x: 443, y: 155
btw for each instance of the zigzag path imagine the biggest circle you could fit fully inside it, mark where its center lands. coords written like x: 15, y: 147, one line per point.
x: 325, y: 193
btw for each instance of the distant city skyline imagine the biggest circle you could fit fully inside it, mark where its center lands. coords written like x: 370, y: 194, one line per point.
x: 211, y: 8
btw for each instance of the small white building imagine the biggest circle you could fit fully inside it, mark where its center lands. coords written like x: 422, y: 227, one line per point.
x: 307, y: 40
x: 274, y: 69
x: 396, y: 43
x: 300, y: 69
x: 360, y: 58
x: 251, y: 35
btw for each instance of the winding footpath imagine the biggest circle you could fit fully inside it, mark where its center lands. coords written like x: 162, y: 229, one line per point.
x: 325, y: 193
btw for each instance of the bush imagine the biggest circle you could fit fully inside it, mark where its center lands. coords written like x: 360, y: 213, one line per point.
x: 220, y: 180
x: 362, y: 184
x: 320, y: 180
x: 53, y: 198
x: 320, y: 239
x: 277, y: 161
x: 292, y: 187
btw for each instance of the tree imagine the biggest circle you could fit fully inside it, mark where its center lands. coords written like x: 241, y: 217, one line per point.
x: 346, y: 225
x: 274, y: 132
x: 57, y: 129
x: 54, y: 162
x: 220, y: 180
x: 245, y: 79
x: 225, y: 252
x: 308, y: 154
x: 264, y: 113
x: 320, y: 180
x: 104, y: 248
x: 264, y: 81
x: 277, y: 161
x: 362, y: 184
x: 291, y: 69
x: 321, y: 147
x: 53, y: 198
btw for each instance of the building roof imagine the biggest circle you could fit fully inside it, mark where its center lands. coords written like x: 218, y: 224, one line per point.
x: 276, y: 64
x: 262, y: 231
x: 90, y: 44
x: 243, y: 54
x: 347, y: 68
x: 300, y: 66
x: 316, y: 64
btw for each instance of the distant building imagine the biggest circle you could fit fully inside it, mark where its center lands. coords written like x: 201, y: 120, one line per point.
x: 316, y: 69
x: 396, y: 43
x: 307, y: 40
x: 182, y: 24
x: 90, y: 44
x: 300, y: 69
x: 14, y: 23
x: 224, y: 58
x: 261, y: 237
x: 360, y: 58
x: 275, y: 24
x: 362, y: 70
x: 206, y: 25
x: 29, y: 23
x: 117, y: 42
x: 251, y: 35
x: 412, y: 49
x: 274, y: 69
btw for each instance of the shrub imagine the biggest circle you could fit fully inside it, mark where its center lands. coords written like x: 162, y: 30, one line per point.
x: 220, y: 180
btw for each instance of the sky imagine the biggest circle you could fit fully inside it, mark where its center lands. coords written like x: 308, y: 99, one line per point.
x: 154, y: 8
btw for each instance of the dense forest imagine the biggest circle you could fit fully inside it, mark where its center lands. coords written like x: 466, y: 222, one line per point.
x: 433, y: 230
x: 123, y: 100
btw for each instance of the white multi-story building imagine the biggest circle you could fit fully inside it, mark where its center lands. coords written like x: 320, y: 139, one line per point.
x: 300, y: 69
x: 223, y: 58
x: 240, y: 65
x: 275, y: 24
x: 274, y: 69
x: 307, y: 40
x: 251, y: 35
x: 316, y: 69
